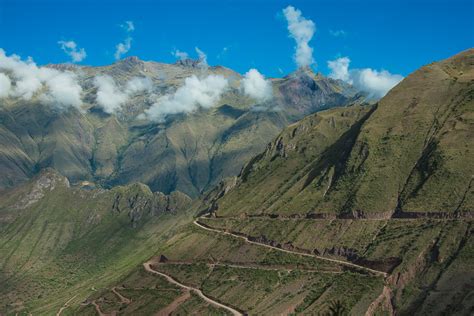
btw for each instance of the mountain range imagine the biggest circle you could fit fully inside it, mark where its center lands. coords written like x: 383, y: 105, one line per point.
x: 187, y: 152
x: 317, y: 201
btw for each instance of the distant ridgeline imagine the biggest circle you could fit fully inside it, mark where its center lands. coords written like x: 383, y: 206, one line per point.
x: 109, y: 142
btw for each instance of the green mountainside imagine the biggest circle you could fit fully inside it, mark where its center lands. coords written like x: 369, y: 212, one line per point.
x: 410, y: 154
x: 56, y: 239
x: 358, y: 210
x: 189, y: 152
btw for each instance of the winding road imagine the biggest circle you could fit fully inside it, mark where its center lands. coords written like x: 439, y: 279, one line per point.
x: 345, y: 263
x: 66, y: 305
x: 147, y: 266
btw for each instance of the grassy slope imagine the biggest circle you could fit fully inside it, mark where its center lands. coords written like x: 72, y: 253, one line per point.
x: 413, y: 153
x: 71, y: 240
x: 258, y: 280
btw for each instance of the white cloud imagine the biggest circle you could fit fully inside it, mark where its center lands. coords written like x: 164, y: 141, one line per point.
x: 123, y: 48
x: 71, y: 49
x: 59, y: 88
x: 193, y: 94
x: 340, y: 69
x: 179, y: 54
x: 126, y: 45
x: 302, y: 31
x: 137, y: 84
x: 255, y: 86
x: 63, y: 90
x: 109, y: 96
x: 5, y: 86
x: 376, y: 83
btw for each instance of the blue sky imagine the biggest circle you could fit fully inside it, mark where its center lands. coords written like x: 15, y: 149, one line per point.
x: 398, y: 36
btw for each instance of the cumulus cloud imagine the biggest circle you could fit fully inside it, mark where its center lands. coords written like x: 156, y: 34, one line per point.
x: 256, y: 86
x: 70, y: 48
x: 26, y: 79
x: 5, y: 86
x: 63, y: 90
x: 376, y: 83
x: 195, y: 93
x: 302, y: 31
x: 109, y: 97
x: 138, y: 84
x: 179, y: 54
x: 126, y: 45
x: 340, y: 69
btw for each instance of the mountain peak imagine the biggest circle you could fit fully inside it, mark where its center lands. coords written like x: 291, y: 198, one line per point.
x: 189, y: 62
x: 303, y: 71
x: 130, y: 63
x: 131, y: 60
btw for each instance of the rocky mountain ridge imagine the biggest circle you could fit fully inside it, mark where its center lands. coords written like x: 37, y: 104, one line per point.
x: 120, y: 148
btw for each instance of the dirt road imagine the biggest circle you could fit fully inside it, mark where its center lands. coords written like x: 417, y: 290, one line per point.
x: 147, y: 266
x: 345, y: 263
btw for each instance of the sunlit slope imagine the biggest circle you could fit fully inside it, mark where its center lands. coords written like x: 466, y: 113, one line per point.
x: 410, y: 154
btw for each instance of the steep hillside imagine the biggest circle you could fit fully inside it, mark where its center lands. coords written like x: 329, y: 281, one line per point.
x: 187, y: 152
x: 410, y: 155
x: 383, y: 190
x: 58, y: 241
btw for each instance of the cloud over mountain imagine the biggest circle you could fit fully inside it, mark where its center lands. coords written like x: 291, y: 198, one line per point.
x: 24, y: 79
x: 196, y: 92
x: 5, y: 86
x: 302, y: 31
x: 63, y: 90
x: 376, y: 83
x: 138, y: 84
x: 256, y: 86
x: 110, y: 96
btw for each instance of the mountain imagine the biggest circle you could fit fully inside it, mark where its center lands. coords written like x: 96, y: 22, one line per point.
x: 363, y: 209
x: 409, y: 155
x: 187, y: 152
